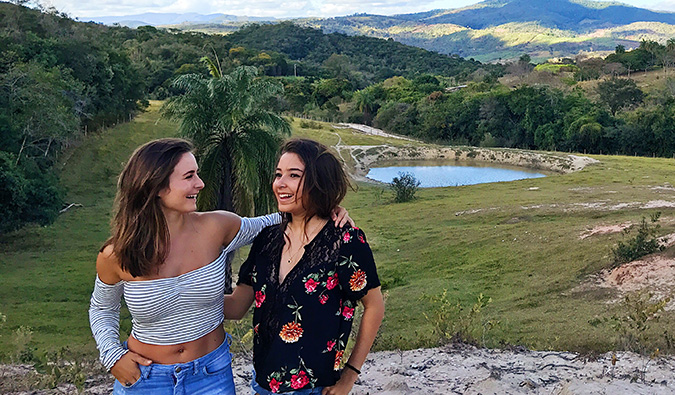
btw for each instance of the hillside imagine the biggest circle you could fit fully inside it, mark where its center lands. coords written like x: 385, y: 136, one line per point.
x: 529, y: 245
x: 368, y: 55
x: 488, y: 31
x: 504, y: 29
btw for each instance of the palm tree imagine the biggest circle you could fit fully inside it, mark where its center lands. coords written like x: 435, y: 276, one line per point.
x: 236, y: 136
x: 364, y: 100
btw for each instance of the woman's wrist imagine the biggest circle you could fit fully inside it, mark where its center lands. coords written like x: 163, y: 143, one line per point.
x: 352, y: 368
x: 349, y: 375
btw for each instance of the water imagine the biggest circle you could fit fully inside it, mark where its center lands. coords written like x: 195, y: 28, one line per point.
x: 444, y: 176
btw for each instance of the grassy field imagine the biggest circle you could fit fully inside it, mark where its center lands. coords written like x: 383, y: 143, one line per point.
x: 516, y: 242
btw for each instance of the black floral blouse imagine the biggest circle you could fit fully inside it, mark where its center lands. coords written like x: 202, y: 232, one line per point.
x: 302, y: 325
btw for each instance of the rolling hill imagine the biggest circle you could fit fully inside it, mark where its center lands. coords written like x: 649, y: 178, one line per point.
x: 487, y: 31
x: 505, y: 29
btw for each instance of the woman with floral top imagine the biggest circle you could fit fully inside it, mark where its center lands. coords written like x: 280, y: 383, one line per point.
x: 306, y: 278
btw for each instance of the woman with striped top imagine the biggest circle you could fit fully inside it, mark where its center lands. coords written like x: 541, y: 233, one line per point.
x: 169, y: 263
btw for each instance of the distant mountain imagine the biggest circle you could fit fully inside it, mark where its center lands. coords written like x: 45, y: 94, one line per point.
x: 505, y: 29
x: 576, y: 15
x: 486, y: 31
x: 158, y: 19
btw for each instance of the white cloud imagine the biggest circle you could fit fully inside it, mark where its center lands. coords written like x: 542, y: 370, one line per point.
x: 662, y: 6
x: 279, y: 8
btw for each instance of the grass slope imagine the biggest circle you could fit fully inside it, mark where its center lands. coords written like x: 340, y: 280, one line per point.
x: 519, y: 246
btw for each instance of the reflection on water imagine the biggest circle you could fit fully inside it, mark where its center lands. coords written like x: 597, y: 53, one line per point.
x: 435, y: 175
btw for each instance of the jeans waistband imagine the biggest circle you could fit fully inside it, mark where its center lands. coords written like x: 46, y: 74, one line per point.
x: 191, y: 367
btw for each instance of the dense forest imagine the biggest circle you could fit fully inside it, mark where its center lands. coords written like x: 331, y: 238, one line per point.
x: 61, y: 79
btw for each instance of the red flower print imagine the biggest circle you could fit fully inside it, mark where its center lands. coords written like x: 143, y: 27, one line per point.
x: 358, y: 280
x: 274, y: 385
x: 255, y: 328
x: 310, y: 285
x: 332, y: 281
x: 346, y: 237
x: 291, y: 332
x: 299, y: 380
x: 338, y: 359
x: 348, y: 312
x: 361, y: 239
x: 330, y: 345
x: 323, y: 299
x: 259, y: 298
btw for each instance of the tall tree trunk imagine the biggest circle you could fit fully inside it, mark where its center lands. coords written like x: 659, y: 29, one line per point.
x: 225, y: 200
x: 23, y: 145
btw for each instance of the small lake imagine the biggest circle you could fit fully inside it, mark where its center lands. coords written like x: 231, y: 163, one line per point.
x: 434, y: 174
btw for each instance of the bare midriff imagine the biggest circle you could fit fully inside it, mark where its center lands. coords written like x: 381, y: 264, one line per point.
x: 178, y: 353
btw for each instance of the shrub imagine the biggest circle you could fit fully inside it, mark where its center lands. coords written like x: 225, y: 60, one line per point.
x: 405, y: 186
x: 643, y: 243
x: 305, y: 124
x: 455, y: 323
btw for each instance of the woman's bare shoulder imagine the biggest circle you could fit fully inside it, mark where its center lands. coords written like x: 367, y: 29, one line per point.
x: 108, y: 265
x: 219, y: 219
x: 224, y: 224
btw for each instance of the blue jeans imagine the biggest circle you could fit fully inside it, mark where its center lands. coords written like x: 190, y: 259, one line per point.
x: 208, y: 375
x: 257, y: 389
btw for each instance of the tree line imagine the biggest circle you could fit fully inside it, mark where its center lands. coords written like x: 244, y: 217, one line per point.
x: 60, y: 79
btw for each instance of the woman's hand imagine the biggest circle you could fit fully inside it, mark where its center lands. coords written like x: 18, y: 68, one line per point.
x: 126, y: 369
x: 341, y: 217
x: 344, y: 385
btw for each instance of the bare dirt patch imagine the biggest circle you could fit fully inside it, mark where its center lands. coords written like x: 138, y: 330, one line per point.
x: 605, y: 229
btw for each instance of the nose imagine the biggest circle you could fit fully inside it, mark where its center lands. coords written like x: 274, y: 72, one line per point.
x: 200, y: 183
x: 279, y: 182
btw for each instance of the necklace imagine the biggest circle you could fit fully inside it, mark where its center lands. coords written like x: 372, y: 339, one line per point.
x: 305, y: 237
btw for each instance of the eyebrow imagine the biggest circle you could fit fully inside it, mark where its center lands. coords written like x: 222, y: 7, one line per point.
x: 293, y: 169
x: 189, y: 172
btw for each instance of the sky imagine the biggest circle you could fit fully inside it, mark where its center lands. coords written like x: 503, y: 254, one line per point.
x: 278, y: 8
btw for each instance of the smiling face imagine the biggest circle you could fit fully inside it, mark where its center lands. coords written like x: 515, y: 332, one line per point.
x: 184, y: 185
x: 287, y: 185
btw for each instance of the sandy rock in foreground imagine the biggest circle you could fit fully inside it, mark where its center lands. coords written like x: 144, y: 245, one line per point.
x: 465, y: 370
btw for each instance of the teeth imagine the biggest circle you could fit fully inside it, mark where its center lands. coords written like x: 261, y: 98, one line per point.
x: 192, y: 196
x: 285, y: 195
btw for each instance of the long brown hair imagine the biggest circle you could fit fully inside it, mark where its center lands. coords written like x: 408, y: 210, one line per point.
x: 324, y: 181
x: 139, y: 234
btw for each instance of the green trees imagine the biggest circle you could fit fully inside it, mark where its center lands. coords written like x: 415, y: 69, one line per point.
x: 236, y: 136
x: 617, y: 93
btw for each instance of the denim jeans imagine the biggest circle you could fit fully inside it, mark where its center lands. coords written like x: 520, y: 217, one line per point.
x: 257, y: 389
x: 208, y: 375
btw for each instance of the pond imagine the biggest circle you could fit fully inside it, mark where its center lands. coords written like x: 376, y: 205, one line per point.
x: 434, y: 174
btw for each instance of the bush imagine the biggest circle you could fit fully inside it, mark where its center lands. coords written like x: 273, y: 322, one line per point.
x: 305, y: 124
x: 27, y: 194
x: 454, y: 322
x: 405, y: 186
x: 644, y: 243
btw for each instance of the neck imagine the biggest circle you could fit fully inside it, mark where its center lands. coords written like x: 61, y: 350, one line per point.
x: 174, y: 221
x: 298, y: 227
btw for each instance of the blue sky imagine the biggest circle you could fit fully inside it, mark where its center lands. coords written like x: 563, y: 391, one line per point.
x: 279, y: 8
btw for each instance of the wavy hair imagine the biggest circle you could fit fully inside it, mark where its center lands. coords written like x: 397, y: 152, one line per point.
x: 324, y: 181
x: 139, y: 232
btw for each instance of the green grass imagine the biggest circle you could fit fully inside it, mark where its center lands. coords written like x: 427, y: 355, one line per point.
x: 520, y: 247
x: 48, y: 272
